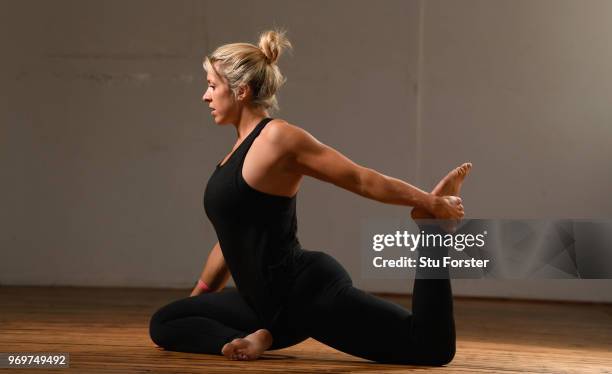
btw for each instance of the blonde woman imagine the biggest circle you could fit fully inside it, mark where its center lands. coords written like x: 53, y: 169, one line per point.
x: 285, y: 293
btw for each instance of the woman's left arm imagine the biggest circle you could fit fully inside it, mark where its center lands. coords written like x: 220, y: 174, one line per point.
x: 308, y: 156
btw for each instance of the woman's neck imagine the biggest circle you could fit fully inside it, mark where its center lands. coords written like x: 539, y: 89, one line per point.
x: 248, y: 119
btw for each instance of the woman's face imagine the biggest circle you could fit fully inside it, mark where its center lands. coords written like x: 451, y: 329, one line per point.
x: 219, y: 97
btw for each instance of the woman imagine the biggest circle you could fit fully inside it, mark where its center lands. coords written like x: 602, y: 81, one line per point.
x: 284, y: 293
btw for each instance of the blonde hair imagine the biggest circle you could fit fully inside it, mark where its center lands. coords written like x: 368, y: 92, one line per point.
x: 246, y: 64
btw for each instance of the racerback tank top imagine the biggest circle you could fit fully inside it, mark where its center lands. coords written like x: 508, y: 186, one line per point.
x: 257, y: 233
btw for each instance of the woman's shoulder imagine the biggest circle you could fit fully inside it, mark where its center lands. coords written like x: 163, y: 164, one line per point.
x: 279, y: 131
x: 278, y: 127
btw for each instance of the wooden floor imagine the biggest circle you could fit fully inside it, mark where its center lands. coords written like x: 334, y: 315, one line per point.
x: 106, y: 331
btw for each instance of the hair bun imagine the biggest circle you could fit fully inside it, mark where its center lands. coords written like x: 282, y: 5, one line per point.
x: 272, y: 43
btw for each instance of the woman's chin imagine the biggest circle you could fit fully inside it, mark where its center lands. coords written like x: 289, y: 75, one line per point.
x: 216, y: 119
x: 220, y: 121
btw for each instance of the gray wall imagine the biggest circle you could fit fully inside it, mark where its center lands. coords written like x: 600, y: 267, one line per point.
x: 106, y: 147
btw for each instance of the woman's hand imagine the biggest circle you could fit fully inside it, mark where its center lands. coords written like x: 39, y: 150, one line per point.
x: 200, y: 288
x: 447, y: 207
x: 196, y: 291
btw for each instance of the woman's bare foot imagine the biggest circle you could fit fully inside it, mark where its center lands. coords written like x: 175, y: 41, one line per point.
x: 248, y: 348
x: 449, y: 185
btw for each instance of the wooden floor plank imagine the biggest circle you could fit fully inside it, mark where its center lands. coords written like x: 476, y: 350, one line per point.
x: 105, y: 330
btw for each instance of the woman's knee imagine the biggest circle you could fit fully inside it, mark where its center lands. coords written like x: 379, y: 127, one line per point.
x: 449, y: 356
x: 432, y: 353
x: 168, y: 312
x: 155, y: 326
x: 157, y: 329
x: 444, y: 356
x: 441, y: 354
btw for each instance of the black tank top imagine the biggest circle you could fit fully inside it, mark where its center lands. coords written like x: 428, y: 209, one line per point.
x: 257, y: 233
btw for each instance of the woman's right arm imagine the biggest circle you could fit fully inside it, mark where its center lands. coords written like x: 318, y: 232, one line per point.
x: 215, y: 273
x: 305, y: 155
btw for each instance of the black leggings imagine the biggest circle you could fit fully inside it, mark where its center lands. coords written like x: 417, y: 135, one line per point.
x: 324, y: 305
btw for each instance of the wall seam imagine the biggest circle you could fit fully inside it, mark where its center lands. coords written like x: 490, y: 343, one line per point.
x: 419, y: 93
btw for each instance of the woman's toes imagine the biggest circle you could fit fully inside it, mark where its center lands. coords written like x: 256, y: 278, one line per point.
x: 227, y: 350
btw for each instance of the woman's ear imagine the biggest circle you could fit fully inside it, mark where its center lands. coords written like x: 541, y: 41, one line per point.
x: 244, y: 91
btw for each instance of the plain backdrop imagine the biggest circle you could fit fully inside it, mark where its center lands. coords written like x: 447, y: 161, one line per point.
x: 106, y: 145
